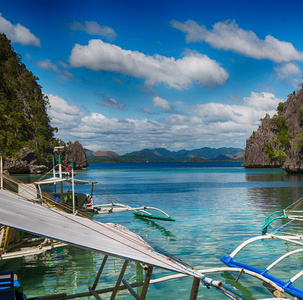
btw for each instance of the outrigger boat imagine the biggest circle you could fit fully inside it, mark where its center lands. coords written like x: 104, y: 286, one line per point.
x: 84, y: 200
x: 106, y: 238
x: 20, y: 212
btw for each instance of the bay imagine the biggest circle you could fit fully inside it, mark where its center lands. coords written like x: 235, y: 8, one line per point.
x: 216, y: 206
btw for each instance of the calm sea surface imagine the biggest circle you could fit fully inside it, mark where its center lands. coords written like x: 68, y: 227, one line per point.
x: 216, y: 207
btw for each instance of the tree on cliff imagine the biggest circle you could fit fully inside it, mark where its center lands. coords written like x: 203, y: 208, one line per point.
x: 23, y: 118
x: 278, y: 142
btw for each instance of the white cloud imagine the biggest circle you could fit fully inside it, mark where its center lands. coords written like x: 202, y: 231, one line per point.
x: 18, y: 33
x: 175, y: 73
x: 262, y: 101
x: 148, y: 111
x: 289, y: 72
x: 63, y: 115
x: 93, y: 28
x: 164, y: 104
x: 255, y: 107
x: 229, y: 36
x: 47, y: 65
x: 210, y: 124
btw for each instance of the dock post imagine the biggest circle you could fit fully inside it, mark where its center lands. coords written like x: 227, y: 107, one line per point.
x: 195, y: 289
x: 113, y: 296
x: 100, y: 272
x: 146, y: 282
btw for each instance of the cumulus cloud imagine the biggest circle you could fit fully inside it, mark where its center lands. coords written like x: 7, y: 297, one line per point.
x: 289, y: 72
x: 148, y: 111
x: 162, y: 103
x: 229, y: 36
x: 175, y: 73
x: 93, y: 28
x: 207, y: 124
x: 110, y: 102
x: 63, y: 115
x: 18, y: 33
x: 48, y: 65
x: 255, y: 107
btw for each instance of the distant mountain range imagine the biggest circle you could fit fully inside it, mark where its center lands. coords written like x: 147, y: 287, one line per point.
x: 164, y: 155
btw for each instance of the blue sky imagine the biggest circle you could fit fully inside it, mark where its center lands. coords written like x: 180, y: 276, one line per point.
x: 128, y: 75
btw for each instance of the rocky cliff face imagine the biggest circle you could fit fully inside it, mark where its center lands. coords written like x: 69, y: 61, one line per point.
x: 278, y: 142
x: 26, y: 135
x: 26, y: 160
x: 75, y: 153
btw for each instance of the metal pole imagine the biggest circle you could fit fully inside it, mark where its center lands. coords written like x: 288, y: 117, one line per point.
x: 60, y: 166
x: 73, y: 190
x: 54, y: 167
x: 1, y: 173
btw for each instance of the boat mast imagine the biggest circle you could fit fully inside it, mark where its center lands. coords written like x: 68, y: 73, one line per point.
x: 54, y: 167
x: 60, y: 168
x: 73, y: 189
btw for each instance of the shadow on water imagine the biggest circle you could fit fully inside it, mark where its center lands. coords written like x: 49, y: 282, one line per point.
x: 230, y: 280
x: 153, y: 224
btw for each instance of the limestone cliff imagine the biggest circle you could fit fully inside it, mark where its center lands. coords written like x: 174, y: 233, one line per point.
x: 278, y: 142
x: 74, y: 152
x: 26, y: 135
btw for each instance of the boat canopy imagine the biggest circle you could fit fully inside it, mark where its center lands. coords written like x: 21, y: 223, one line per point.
x: 54, y: 180
x: 106, y: 238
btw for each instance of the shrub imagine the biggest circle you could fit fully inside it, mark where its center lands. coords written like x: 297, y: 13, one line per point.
x: 280, y: 107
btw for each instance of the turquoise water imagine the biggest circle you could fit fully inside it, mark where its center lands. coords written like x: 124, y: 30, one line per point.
x: 216, y: 207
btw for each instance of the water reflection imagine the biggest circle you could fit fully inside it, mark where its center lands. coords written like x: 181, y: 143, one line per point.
x: 153, y: 224
x: 68, y: 266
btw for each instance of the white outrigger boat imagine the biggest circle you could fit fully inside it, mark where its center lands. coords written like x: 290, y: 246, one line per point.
x: 106, y: 238
x: 19, y: 211
x: 83, y: 201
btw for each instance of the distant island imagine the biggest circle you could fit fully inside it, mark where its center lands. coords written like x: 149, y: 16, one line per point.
x: 164, y: 155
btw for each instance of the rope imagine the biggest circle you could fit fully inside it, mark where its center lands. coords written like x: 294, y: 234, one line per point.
x: 282, y: 226
x: 296, y: 205
x: 230, y: 293
x: 223, y: 289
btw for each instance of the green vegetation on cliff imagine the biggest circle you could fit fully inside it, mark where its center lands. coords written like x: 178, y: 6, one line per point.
x: 278, y: 142
x: 23, y: 118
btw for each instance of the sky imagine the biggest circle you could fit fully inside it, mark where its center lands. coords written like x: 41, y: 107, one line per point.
x: 127, y: 75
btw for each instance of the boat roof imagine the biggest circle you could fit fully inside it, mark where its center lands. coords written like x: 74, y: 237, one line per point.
x: 54, y: 180
x: 106, y: 238
x: 51, y: 180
